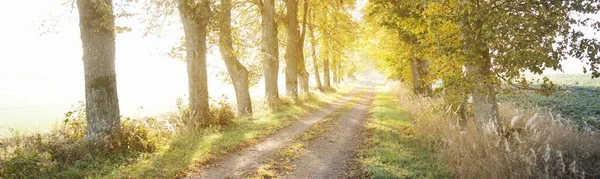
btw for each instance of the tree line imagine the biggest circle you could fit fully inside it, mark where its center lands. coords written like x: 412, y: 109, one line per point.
x: 478, y: 48
x: 328, y: 25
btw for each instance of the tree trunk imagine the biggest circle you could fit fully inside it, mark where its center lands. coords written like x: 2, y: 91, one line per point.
x: 195, y: 17
x: 416, y: 82
x: 485, y: 106
x: 315, y: 62
x: 313, y: 44
x: 302, y: 73
x: 237, y: 71
x: 98, y: 42
x: 303, y: 78
x: 338, y: 70
x: 455, y: 95
x: 419, y: 73
x: 291, y: 52
x: 479, y: 73
x: 270, y: 50
x: 334, y: 69
x: 326, y: 73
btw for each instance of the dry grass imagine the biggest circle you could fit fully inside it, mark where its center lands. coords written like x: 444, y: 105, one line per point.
x: 533, y: 144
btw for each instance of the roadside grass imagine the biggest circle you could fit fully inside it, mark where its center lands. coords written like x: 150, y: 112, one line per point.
x: 392, y: 149
x: 64, y: 152
x: 529, y: 143
x: 153, y: 147
x: 282, y: 162
x: 189, y: 151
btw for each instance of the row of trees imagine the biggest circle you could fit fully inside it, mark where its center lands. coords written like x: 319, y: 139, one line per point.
x: 327, y: 23
x: 478, y: 46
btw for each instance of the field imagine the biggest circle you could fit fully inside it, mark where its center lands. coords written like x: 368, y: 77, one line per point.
x: 578, y: 100
x: 30, y: 110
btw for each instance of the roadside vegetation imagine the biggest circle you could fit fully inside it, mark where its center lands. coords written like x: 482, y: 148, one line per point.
x: 477, y: 53
x: 65, y: 153
x: 393, y: 148
x: 95, y: 140
x: 145, y: 148
x: 474, y: 124
x: 532, y: 143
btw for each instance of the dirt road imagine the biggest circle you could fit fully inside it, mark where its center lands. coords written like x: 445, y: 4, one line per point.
x: 328, y: 154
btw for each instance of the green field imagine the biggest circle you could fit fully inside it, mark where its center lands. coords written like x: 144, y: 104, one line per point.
x: 579, y: 100
x: 583, y: 80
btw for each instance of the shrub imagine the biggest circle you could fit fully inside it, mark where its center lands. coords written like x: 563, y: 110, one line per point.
x: 533, y: 144
x: 26, y: 165
x: 222, y: 112
x: 65, y: 153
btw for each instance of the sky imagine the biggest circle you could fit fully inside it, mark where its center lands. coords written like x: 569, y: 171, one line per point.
x: 41, y: 74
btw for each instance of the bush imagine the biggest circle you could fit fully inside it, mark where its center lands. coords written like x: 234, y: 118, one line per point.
x: 533, y: 144
x: 222, y: 112
x: 26, y: 165
x: 64, y: 153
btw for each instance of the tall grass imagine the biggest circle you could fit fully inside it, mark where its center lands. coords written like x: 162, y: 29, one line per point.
x: 532, y: 144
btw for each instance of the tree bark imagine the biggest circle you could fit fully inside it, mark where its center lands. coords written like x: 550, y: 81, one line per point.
x: 291, y: 53
x: 479, y: 73
x: 485, y: 105
x: 326, y: 74
x: 337, y: 73
x: 195, y: 17
x: 313, y: 44
x: 315, y: 60
x: 237, y: 72
x: 419, y: 73
x: 334, y: 69
x: 270, y: 50
x: 455, y: 96
x: 96, y: 23
x: 303, y: 74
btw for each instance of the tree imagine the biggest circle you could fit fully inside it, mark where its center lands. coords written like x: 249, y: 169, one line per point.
x: 97, y: 27
x: 326, y: 72
x: 195, y: 16
x: 406, y: 18
x: 313, y: 44
x: 237, y: 71
x: 292, y: 49
x: 337, y: 34
x: 493, y: 41
x: 270, y: 50
x: 335, y: 61
x: 302, y: 73
x: 501, y: 39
